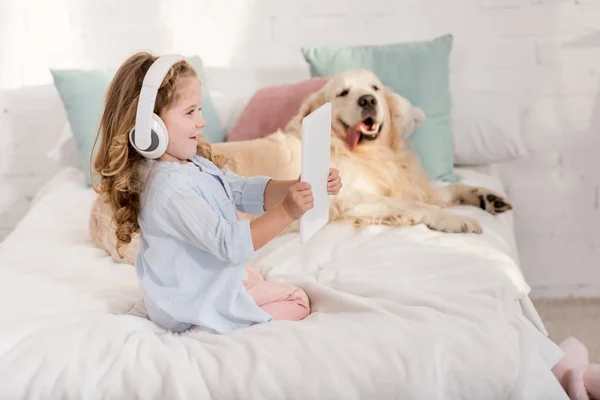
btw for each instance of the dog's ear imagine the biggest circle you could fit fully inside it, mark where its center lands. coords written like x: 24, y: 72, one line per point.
x: 418, y: 117
x: 309, y: 104
x: 405, y: 118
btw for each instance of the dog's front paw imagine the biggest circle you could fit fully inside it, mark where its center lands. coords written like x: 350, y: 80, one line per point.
x: 407, y: 218
x: 491, y: 202
x: 447, y: 222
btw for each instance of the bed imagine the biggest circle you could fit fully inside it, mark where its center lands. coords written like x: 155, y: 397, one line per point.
x: 404, y: 313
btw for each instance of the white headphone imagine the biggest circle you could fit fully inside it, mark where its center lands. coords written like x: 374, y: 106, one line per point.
x: 149, y: 136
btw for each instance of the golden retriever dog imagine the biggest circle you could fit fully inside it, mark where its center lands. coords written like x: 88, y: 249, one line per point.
x: 384, y: 183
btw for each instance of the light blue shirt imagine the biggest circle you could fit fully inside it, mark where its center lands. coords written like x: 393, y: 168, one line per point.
x: 193, y: 248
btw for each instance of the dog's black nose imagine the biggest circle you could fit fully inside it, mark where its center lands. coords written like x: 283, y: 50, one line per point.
x: 367, y: 101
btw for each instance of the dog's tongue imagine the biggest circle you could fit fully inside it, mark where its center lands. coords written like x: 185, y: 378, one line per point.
x: 352, y: 137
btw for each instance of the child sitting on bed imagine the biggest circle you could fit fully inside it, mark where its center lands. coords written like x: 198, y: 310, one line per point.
x: 193, y: 249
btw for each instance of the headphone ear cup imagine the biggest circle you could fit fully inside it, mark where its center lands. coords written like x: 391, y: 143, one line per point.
x: 160, y: 136
x: 159, y: 139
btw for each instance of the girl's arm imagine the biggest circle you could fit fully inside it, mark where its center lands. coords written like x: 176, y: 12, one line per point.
x: 296, y: 200
x: 258, y: 194
x: 248, y: 193
x: 189, y: 217
x: 275, y: 192
x: 266, y: 227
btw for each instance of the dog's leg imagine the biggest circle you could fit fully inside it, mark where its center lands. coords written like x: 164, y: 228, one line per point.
x: 445, y: 221
x: 381, y: 211
x: 362, y: 211
x: 366, y: 210
x: 391, y: 212
x: 459, y: 194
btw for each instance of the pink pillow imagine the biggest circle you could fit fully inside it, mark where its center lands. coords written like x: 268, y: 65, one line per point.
x: 271, y: 108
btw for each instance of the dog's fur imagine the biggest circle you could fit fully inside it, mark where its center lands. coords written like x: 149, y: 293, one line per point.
x: 383, y: 181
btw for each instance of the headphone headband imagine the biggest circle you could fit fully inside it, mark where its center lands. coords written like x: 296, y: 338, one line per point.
x: 145, y: 109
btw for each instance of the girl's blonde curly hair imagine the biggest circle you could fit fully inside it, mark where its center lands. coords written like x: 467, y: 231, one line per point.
x: 117, y: 162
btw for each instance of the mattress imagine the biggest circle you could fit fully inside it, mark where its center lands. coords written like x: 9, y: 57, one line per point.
x: 398, y: 313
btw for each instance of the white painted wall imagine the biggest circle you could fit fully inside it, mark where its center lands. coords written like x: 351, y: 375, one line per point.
x: 542, y: 56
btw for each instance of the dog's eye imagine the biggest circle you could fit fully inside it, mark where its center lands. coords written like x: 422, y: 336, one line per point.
x: 375, y: 87
x: 344, y: 93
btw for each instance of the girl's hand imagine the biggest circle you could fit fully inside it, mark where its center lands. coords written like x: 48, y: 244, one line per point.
x: 334, y: 181
x: 298, y: 199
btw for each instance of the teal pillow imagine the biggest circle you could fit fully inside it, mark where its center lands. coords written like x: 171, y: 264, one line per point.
x: 83, y: 92
x: 418, y: 71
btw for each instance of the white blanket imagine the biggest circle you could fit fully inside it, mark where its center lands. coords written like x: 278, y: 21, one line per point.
x: 397, y: 314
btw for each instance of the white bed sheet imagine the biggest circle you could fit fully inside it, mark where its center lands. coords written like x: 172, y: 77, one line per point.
x: 397, y: 314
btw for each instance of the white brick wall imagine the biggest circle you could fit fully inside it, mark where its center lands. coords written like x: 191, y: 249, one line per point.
x: 543, y: 56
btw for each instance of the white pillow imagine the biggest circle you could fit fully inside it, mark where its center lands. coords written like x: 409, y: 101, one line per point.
x: 485, y: 128
x: 65, y: 153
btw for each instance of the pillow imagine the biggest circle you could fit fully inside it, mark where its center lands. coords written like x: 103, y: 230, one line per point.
x: 486, y: 129
x: 419, y: 71
x: 82, y: 93
x: 65, y: 153
x: 271, y: 108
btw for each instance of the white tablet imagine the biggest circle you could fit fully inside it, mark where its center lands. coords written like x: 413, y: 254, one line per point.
x: 316, y: 142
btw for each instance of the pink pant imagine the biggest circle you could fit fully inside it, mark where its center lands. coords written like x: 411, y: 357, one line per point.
x: 279, y: 299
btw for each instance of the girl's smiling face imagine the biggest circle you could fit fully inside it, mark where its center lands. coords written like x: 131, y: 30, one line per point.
x: 184, y: 121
